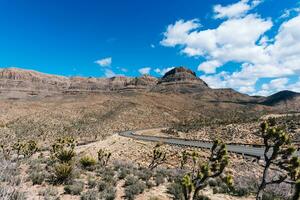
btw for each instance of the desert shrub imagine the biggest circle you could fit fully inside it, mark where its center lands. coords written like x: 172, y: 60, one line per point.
x: 90, y: 195
x: 11, y: 193
x: 175, y: 190
x: 241, y: 191
x: 201, y: 197
x: 63, y: 172
x: 92, y: 183
x: 130, y: 180
x: 150, y: 184
x: 63, y: 149
x: 108, y: 175
x: 37, y: 178
x: 87, y: 162
x: 270, y: 196
x: 132, y: 190
x: 9, y: 172
x: 144, y: 174
x: 123, y: 172
x: 109, y: 193
x: 159, y: 178
x: 50, y: 193
x: 65, y: 155
x: 25, y: 148
x: 75, y: 189
x: 102, y: 185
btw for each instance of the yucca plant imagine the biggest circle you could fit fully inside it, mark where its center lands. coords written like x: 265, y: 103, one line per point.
x: 63, y: 172
x: 65, y: 155
x: 87, y: 161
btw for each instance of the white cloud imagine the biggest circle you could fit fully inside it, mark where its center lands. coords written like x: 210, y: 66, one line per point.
x: 105, y: 62
x: 240, y: 38
x: 109, y: 73
x: 145, y: 70
x: 287, y: 12
x: 275, y: 84
x: 152, y: 46
x: 177, y: 33
x: 209, y: 66
x: 163, y: 71
x: 234, y: 10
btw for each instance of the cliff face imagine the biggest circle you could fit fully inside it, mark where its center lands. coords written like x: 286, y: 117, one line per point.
x: 18, y: 79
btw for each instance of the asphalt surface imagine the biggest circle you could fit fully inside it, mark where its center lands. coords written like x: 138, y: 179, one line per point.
x: 245, y: 150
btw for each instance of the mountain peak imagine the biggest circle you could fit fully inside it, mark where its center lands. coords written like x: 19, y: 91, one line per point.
x: 181, y: 75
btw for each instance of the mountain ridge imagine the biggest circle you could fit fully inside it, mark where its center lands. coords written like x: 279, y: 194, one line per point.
x: 21, y: 83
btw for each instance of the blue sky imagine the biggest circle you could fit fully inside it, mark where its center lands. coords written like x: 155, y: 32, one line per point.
x: 130, y: 37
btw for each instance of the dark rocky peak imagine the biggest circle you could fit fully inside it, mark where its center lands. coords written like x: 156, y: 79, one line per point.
x: 181, y: 75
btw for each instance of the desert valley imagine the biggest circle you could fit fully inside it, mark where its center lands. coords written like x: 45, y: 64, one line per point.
x: 61, y: 137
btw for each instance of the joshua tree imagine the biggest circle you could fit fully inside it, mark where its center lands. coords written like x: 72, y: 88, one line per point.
x: 183, y: 159
x: 103, y: 157
x: 195, y: 180
x: 278, y: 157
x: 158, y: 157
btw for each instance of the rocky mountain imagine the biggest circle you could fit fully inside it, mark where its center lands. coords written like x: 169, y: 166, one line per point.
x: 27, y: 84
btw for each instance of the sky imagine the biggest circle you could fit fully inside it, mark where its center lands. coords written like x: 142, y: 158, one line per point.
x: 252, y: 46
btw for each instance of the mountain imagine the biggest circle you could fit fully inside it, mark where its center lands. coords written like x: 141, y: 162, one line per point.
x: 283, y: 98
x: 27, y: 84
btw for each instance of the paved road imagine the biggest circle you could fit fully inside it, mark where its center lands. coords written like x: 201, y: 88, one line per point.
x: 246, y: 150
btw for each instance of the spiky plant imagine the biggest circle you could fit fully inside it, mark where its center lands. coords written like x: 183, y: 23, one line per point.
x: 103, y: 157
x: 87, y: 161
x: 196, y: 179
x: 278, y: 156
x: 63, y: 172
x: 158, y: 157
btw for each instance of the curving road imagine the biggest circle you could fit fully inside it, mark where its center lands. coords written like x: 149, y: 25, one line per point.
x: 246, y: 150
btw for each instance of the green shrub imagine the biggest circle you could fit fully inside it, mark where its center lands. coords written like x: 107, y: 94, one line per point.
x: 65, y: 155
x: 63, y: 172
x: 175, y: 190
x: 90, y: 195
x: 132, y: 190
x: 159, y: 179
x: 37, y: 178
x: 75, y: 189
x: 130, y: 180
x: 92, y: 183
x: 102, y: 185
x: 144, y: 174
x: 109, y: 193
x: 87, y: 161
x: 202, y: 197
x: 50, y: 193
x: 123, y: 173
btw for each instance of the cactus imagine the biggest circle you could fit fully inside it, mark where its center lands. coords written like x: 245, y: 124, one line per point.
x: 195, y: 180
x: 103, y: 157
x: 158, y: 157
x: 278, y: 154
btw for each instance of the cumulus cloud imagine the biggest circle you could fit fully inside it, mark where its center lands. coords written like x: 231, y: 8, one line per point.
x: 234, y: 10
x: 145, y: 70
x: 105, y: 62
x: 163, y: 71
x: 241, y: 37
